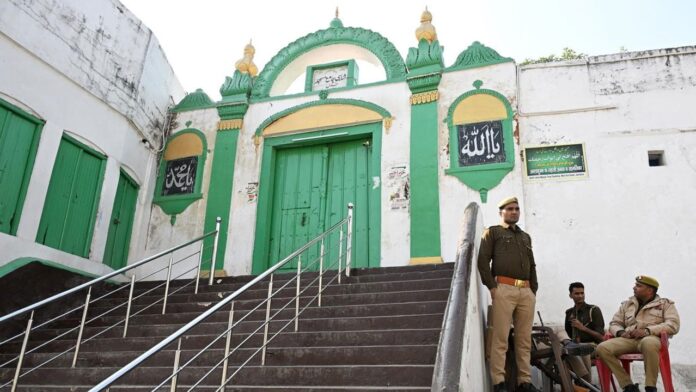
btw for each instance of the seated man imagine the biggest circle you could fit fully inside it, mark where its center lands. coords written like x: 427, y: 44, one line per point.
x: 637, y: 326
x: 583, y: 324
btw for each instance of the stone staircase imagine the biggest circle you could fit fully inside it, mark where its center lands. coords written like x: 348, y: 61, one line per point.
x: 377, y: 331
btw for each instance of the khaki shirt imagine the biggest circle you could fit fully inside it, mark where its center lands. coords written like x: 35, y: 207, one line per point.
x: 505, y: 251
x: 658, y: 315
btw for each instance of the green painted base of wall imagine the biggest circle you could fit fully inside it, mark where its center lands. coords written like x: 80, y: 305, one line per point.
x: 425, y: 199
x: 220, y: 195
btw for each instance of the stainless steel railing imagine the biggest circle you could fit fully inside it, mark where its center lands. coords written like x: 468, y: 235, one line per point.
x: 342, y: 263
x: 86, y: 318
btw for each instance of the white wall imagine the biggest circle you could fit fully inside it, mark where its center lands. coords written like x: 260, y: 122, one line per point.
x: 626, y: 218
x: 67, y: 64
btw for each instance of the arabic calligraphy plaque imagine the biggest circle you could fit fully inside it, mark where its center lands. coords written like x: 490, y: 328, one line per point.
x: 180, y: 176
x: 481, y: 143
x: 330, y: 78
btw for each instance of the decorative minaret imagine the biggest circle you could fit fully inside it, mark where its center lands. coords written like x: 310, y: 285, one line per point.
x: 424, y: 73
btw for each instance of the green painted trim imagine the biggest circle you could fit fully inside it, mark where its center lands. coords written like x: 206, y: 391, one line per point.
x: 333, y: 90
x: 381, y: 47
x: 341, y: 101
x: 193, y: 101
x: 21, y: 112
x: 477, y: 55
x: 220, y: 195
x: 424, y: 181
x: 236, y: 88
x: 266, y: 184
x: 426, y: 58
x: 176, y: 204
x: 84, y: 146
x: 26, y: 177
x: 22, y: 261
x: 481, y: 178
x: 352, y: 73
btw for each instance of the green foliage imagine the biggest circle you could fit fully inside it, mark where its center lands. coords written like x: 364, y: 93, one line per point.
x: 567, y: 54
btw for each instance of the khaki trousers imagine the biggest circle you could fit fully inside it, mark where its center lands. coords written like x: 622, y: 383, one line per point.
x: 512, y: 305
x: 581, y: 365
x: 649, y: 346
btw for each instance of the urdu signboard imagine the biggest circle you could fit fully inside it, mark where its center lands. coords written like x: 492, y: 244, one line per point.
x: 565, y: 161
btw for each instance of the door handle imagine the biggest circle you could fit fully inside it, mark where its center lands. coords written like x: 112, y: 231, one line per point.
x: 304, y: 219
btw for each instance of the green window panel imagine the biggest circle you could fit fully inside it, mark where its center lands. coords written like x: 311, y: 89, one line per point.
x: 121, y: 224
x: 67, y: 221
x: 19, y: 139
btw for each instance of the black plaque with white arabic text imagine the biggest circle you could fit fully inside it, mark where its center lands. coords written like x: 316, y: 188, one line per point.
x: 481, y: 143
x: 180, y: 176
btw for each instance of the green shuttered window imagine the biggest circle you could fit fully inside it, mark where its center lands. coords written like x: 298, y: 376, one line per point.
x: 121, y: 223
x: 19, y: 139
x: 71, y: 203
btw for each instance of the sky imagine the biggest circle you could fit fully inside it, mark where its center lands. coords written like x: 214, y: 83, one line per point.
x: 203, y: 39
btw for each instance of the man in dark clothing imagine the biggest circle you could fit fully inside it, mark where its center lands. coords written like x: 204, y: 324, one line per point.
x: 507, y: 268
x: 583, y: 324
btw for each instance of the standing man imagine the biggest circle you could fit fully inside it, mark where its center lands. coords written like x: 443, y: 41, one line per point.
x: 584, y: 323
x: 507, y: 268
x: 637, y: 326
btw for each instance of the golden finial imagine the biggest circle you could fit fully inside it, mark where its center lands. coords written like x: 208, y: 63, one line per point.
x: 426, y: 30
x: 336, y: 12
x: 246, y: 64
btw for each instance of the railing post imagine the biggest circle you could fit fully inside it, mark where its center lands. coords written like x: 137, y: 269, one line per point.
x: 200, y: 265
x: 297, y: 292
x: 227, y: 348
x: 349, y: 238
x: 177, y: 357
x: 215, y: 248
x: 128, y: 308
x: 340, y: 252
x: 166, y: 286
x: 20, y: 359
x: 268, y: 316
x: 82, y: 326
x: 321, y: 269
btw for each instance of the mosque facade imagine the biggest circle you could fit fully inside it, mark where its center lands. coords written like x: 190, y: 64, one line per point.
x: 599, y: 151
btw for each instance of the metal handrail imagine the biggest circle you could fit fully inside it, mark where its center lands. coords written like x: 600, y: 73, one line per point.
x: 88, y: 301
x: 176, y: 336
x: 448, y: 362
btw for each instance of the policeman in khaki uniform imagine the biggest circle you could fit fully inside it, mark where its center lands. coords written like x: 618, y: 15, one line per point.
x: 507, y: 268
x: 637, y: 326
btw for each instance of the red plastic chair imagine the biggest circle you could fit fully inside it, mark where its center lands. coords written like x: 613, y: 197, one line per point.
x: 605, y: 377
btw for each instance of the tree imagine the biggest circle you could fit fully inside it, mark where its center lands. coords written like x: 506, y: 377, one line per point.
x: 567, y: 54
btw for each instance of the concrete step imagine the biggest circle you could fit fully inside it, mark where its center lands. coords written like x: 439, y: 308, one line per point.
x: 286, y: 339
x: 327, y: 300
x: 289, y: 291
x: 350, y: 375
x: 212, y: 328
x: 232, y: 388
x: 331, y: 355
x: 367, y: 310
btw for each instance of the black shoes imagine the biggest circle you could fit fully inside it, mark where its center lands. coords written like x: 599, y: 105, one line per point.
x: 572, y: 348
x: 501, y: 387
x: 631, y: 388
x: 650, y: 389
x: 527, y: 387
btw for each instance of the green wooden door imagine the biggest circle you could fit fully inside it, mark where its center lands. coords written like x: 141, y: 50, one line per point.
x: 349, y: 182
x: 121, y: 225
x: 312, y: 187
x: 19, y: 137
x: 298, y: 200
x: 72, y: 199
